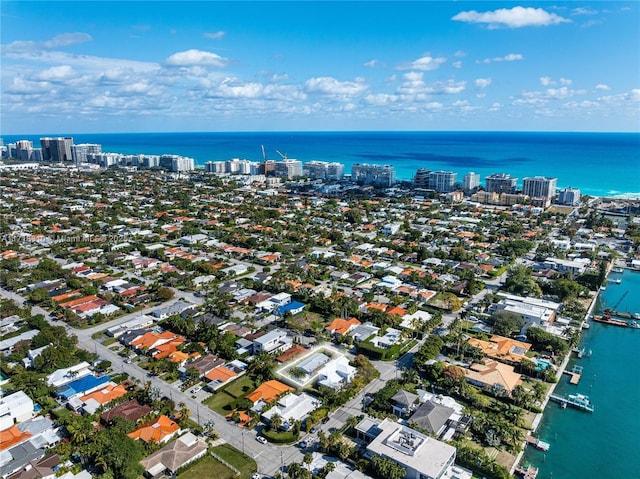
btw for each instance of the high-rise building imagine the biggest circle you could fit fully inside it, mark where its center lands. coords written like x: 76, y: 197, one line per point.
x: 500, y: 183
x: 471, y: 181
x: 442, y: 181
x: 569, y: 196
x: 176, y: 163
x: 24, y: 150
x: 323, y: 170
x: 288, y: 168
x: 377, y: 175
x: 421, y: 178
x: 57, y: 149
x: 539, y: 187
x: 80, y: 152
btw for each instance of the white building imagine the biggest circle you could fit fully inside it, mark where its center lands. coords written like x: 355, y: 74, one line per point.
x: 292, y: 407
x: 539, y: 187
x: 569, y: 196
x: 336, y: 374
x: 378, y: 175
x: 276, y: 340
x: 471, y: 181
x: 391, y: 228
x: 442, y: 181
x: 15, y: 408
x: 63, y: 376
x: 422, y: 456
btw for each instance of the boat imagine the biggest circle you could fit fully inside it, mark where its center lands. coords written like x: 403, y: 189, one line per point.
x: 537, y: 443
x: 634, y: 324
x: 580, y: 400
x: 585, y: 325
x: 636, y: 315
x: 607, y: 319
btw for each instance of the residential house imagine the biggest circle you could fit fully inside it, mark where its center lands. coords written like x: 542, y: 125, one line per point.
x: 159, y: 431
x: 274, y: 341
x: 292, y: 407
x: 131, y: 410
x: 422, y: 457
x: 432, y: 417
x: 336, y: 374
x: 175, y: 455
x: 404, y: 403
x: 493, y: 375
x: 15, y: 408
x: 339, y: 327
x: 502, y: 348
x: 267, y: 392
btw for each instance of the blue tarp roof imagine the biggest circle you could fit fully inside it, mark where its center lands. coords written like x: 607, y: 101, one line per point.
x: 289, y: 307
x: 81, y: 385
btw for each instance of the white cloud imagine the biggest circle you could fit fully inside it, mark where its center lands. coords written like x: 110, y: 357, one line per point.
x: 380, y: 99
x: 584, y: 11
x: 510, y: 57
x: 57, y: 73
x: 546, y: 81
x: 565, y: 81
x: 372, y: 63
x: 425, y: 63
x: 602, y: 86
x: 214, y: 35
x: 515, y: 17
x: 331, y: 86
x: 482, y: 82
x: 195, y: 57
x: 459, y: 54
x: 59, y: 41
x: 457, y: 64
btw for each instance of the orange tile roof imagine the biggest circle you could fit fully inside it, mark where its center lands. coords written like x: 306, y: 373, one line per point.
x: 76, y: 302
x: 268, y: 391
x: 62, y: 297
x: 397, y: 311
x: 377, y: 307
x: 107, y: 394
x: 11, y: 437
x: 177, y: 357
x: 168, y: 348
x: 221, y: 374
x: 291, y: 353
x: 157, y: 431
x: 342, y: 326
x: 147, y: 340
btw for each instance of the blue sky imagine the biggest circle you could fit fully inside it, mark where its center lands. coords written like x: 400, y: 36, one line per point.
x: 84, y: 67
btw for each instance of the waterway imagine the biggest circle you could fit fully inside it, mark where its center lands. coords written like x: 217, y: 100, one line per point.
x: 604, y: 444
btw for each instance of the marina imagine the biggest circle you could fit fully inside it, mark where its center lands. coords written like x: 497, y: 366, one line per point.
x: 578, y: 440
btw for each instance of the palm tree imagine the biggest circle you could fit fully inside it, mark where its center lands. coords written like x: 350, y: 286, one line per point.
x: 410, y: 375
x: 275, y: 421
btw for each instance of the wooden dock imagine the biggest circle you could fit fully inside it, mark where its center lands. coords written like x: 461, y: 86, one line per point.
x: 575, y: 377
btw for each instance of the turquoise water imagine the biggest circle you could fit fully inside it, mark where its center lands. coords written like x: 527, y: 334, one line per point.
x: 604, y: 444
x: 600, y: 164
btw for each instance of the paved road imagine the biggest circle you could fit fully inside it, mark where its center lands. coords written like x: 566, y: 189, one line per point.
x: 268, y: 457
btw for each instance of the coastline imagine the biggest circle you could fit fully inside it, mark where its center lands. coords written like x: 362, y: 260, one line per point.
x: 538, y: 419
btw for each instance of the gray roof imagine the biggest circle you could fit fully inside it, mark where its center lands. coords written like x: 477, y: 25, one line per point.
x: 404, y: 398
x: 431, y: 416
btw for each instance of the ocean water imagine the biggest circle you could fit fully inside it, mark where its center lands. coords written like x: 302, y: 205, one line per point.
x: 602, y: 445
x: 600, y: 164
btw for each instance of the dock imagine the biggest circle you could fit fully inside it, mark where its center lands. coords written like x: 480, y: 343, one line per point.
x: 578, y: 401
x: 575, y: 374
x: 529, y: 472
x: 537, y: 443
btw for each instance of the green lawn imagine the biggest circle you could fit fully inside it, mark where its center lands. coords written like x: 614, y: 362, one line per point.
x: 233, y: 456
x: 220, y: 400
x: 240, y: 387
x: 207, y: 467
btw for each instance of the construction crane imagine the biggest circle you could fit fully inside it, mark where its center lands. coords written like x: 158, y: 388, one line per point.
x: 264, y: 155
x: 284, y: 156
x: 615, y: 306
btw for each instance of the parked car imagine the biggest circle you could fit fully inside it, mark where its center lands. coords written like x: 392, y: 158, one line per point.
x: 261, y: 439
x: 302, y: 444
x: 325, y: 419
x: 314, y: 429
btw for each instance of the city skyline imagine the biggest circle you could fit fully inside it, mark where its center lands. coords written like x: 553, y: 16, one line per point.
x: 90, y: 67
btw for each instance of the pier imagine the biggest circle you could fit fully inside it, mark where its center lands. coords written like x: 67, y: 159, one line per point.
x: 578, y: 401
x: 527, y: 473
x: 575, y: 374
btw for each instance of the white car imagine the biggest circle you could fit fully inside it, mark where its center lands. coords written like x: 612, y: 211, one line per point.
x: 261, y: 439
x: 255, y: 476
